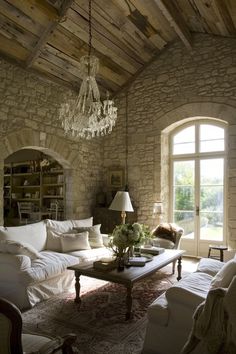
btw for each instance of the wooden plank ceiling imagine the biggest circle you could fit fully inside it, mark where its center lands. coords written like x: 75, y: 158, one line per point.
x: 50, y: 36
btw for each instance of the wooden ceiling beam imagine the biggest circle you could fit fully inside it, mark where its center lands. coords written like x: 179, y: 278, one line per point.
x: 227, y: 25
x: 48, y: 30
x: 176, y: 20
x: 43, y: 76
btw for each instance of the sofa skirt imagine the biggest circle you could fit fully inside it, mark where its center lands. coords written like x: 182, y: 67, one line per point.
x: 50, y: 287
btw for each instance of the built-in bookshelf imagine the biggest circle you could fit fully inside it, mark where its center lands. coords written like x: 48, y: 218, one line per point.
x: 28, y: 181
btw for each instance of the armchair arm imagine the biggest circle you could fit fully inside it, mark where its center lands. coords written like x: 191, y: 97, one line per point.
x: 184, y: 296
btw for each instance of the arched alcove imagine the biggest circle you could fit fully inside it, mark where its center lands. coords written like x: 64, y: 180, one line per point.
x: 34, y: 187
x: 52, y: 146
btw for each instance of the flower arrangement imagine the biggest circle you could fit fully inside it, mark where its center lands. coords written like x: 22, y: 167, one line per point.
x: 125, y: 236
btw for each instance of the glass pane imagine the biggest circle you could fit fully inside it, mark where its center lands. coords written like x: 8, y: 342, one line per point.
x: 184, y: 141
x: 211, y: 199
x: 183, y: 191
x: 185, y: 219
x: 211, y: 138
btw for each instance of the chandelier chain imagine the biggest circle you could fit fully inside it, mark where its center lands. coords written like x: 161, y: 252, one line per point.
x: 90, y: 27
x: 86, y: 116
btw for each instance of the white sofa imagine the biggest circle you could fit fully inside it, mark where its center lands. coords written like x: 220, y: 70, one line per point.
x: 33, y: 266
x: 170, y: 315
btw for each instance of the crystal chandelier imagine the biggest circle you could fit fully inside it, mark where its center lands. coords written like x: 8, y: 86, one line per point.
x: 87, y: 117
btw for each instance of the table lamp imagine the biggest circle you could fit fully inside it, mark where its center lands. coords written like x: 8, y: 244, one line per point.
x: 121, y: 202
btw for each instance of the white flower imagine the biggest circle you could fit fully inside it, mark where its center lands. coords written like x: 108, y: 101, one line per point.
x: 127, y: 235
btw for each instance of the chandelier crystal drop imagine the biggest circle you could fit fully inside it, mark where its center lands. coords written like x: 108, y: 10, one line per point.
x: 86, y: 116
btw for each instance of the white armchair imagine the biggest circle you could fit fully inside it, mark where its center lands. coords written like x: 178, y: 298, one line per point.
x: 167, y: 235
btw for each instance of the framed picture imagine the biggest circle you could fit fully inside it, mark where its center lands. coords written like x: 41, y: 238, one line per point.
x: 116, y: 178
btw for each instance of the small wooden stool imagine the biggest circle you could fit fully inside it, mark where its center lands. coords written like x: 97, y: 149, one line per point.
x: 218, y: 248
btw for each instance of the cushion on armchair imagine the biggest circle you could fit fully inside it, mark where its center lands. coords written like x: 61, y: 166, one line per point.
x: 225, y: 275
x: 209, y: 266
x: 166, y: 231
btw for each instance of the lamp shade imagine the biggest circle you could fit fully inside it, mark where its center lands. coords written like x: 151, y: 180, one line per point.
x: 121, y: 202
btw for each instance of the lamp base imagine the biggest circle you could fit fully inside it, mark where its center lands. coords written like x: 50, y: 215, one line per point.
x: 123, y: 216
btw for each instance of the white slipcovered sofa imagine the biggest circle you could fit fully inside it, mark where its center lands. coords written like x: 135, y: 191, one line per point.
x: 34, y: 258
x: 170, y: 316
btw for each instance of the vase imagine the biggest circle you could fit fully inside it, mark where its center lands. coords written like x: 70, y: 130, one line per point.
x: 130, y: 252
x: 120, y: 263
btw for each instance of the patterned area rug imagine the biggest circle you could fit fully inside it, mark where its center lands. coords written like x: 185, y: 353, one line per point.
x: 100, y: 323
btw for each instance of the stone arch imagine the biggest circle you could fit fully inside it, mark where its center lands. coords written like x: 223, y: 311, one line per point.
x: 47, y: 143
x: 216, y: 112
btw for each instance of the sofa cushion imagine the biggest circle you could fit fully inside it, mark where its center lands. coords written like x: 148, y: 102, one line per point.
x: 95, y: 236
x: 16, y: 247
x: 34, y: 234
x: 74, y: 242
x: 60, y: 226
x: 83, y: 222
x: 209, y: 266
x: 91, y: 255
x: 48, y: 266
x: 225, y: 275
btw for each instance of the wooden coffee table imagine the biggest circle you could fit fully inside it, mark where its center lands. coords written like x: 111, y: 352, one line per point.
x: 128, y: 276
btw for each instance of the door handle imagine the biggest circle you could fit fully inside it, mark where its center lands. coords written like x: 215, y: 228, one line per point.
x: 197, y: 210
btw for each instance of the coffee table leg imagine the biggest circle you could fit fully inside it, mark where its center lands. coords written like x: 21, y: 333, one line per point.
x: 179, y: 268
x: 129, y: 314
x: 77, y: 289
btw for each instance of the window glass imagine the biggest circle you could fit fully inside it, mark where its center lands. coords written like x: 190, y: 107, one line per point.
x: 211, y: 138
x: 184, y: 141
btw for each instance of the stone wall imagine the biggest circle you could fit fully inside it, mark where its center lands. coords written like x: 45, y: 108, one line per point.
x: 178, y: 86
x: 29, y: 119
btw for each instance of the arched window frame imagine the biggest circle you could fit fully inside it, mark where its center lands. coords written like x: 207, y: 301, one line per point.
x: 197, y: 154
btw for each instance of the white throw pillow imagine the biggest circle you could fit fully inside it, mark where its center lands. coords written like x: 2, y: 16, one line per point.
x: 54, y: 241
x: 223, y: 278
x: 95, y: 236
x: 55, y: 228
x: 75, y: 242
x: 16, y: 247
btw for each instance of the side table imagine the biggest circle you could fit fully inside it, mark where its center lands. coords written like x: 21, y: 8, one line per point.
x: 220, y: 248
